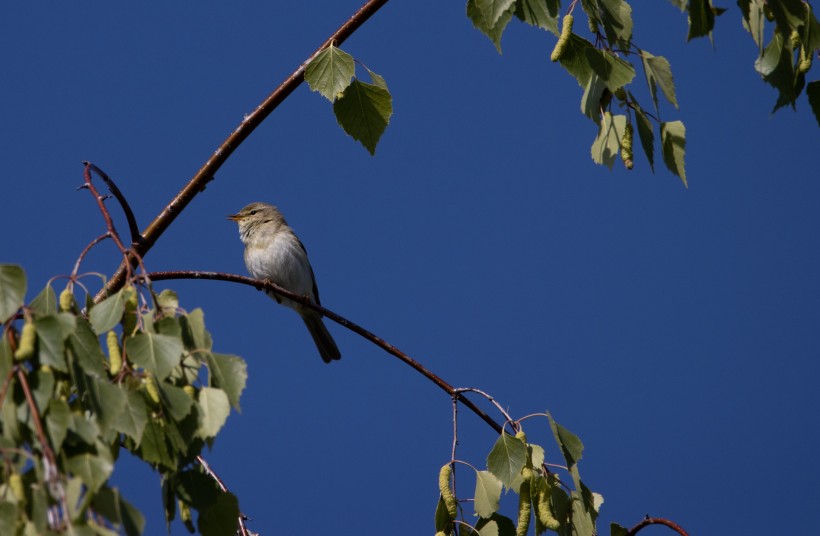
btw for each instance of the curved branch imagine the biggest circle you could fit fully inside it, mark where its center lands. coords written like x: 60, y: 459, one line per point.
x: 136, y: 237
x: 206, y: 173
x: 381, y: 343
x: 657, y: 521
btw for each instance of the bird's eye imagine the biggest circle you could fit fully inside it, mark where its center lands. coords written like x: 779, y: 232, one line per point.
x: 252, y: 212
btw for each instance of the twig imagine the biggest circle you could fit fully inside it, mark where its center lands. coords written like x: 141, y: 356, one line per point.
x: 506, y: 415
x: 243, y: 530
x: 387, y: 347
x: 85, y: 252
x: 657, y: 521
x: 136, y: 237
x: 206, y: 173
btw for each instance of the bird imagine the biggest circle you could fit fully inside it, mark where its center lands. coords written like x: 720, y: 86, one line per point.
x: 274, y: 253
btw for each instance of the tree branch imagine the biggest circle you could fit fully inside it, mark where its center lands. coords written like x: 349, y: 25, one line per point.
x: 136, y: 237
x: 657, y: 521
x: 206, y: 173
x: 381, y: 343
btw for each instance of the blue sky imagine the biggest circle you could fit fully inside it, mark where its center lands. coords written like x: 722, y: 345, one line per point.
x: 674, y: 330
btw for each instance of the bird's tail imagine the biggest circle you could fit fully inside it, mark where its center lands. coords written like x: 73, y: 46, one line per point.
x: 321, y: 336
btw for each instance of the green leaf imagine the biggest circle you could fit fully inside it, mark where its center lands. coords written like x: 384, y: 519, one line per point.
x: 607, y: 144
x: 571, y: 446
x: 94, y: 470
x: 616, y: 17
x: 86, y: 347
x: 487, y: 493
x: 6, y: 357
x: 680, y: 4
x: 701, y: 18
x: 591, y: 101
x: 330, y: 72
x: 507, y: 457
x: 155, y: 353
x: 813, y: 93
x: 109, y: 503
x: 229, y: 373
x: 12, y: 289
x: 754, y: 19
x: 168, y: 302
x: 492, y: 10
x: 45, y: 303
x: 8, y: 518
x: 51, y: 335
x: 493, y: 31
x: 659, y: 73
x: 154, y: 448
x: 133, y: 419
x: 617, y: 530
x: 107, y: 400
x: 84, y: 427
x: 575, y: 58
x: 646, y: 135
x: 194, y: 334
x: 221, y: 517
x: 58, y: 419
x: 108, y: 313
x: 788, y: 14
x: 215, y: 410
x: 582, y: 523
x: 42, y: 387
x: 496, y: 525
x: 364, y: 111
x: 614, y: 71
x: 539, y: 13
x: 175, y: 400
x: 673, y: 140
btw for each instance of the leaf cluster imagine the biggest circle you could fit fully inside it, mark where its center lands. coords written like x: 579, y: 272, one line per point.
x: 68, y: 409
x: 544, y: 500
x: 363, y: 110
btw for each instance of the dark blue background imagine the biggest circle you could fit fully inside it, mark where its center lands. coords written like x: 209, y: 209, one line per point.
x: 674, y: 330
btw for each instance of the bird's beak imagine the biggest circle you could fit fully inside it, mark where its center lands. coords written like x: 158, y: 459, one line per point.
x: 234, y: 217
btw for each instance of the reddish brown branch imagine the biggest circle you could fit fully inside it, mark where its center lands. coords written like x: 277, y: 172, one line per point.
x: 657, y: 521
x: 136, y: 237
x: 381, y: 343
x: 206, y: 173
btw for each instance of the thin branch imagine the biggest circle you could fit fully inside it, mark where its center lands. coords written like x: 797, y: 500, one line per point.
x: 657, y: 521
x: 506, y: 415
x: 243, y: 530
x: 136, y: 237
x: 381, y: 343
x: 85, y: 252
x: 206, y: 173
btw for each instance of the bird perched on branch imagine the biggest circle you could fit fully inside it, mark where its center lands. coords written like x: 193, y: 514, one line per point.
x: 274, y: 253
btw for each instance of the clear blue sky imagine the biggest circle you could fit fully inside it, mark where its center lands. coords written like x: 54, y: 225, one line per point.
x: 675, y: 331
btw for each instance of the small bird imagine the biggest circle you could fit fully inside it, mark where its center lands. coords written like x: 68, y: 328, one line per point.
x: 274, y: 253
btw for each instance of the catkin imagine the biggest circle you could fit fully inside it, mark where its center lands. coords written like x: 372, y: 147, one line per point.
x: 66, y: 300
x: 151, y: 387
x: 27, y: 339
x: 114, y: 354
x: 446, y: 492
x: 566, y: 30
x: 626, y: 147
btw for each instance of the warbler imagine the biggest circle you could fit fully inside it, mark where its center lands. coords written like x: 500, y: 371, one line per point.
x: 274, y: 253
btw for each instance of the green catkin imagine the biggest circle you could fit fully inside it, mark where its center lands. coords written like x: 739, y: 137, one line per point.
x: 190, y: 391
x: 543, y: 508
x: 27, y: 339
x: 626, y: 147
x: 114, y: 354
x: 805, y: 61
x: 16, y: 485
x: 566, y: 30
x: 151, y: 387
x: 446, y: 492
x: 524, y: 508
x: 66, y: 300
